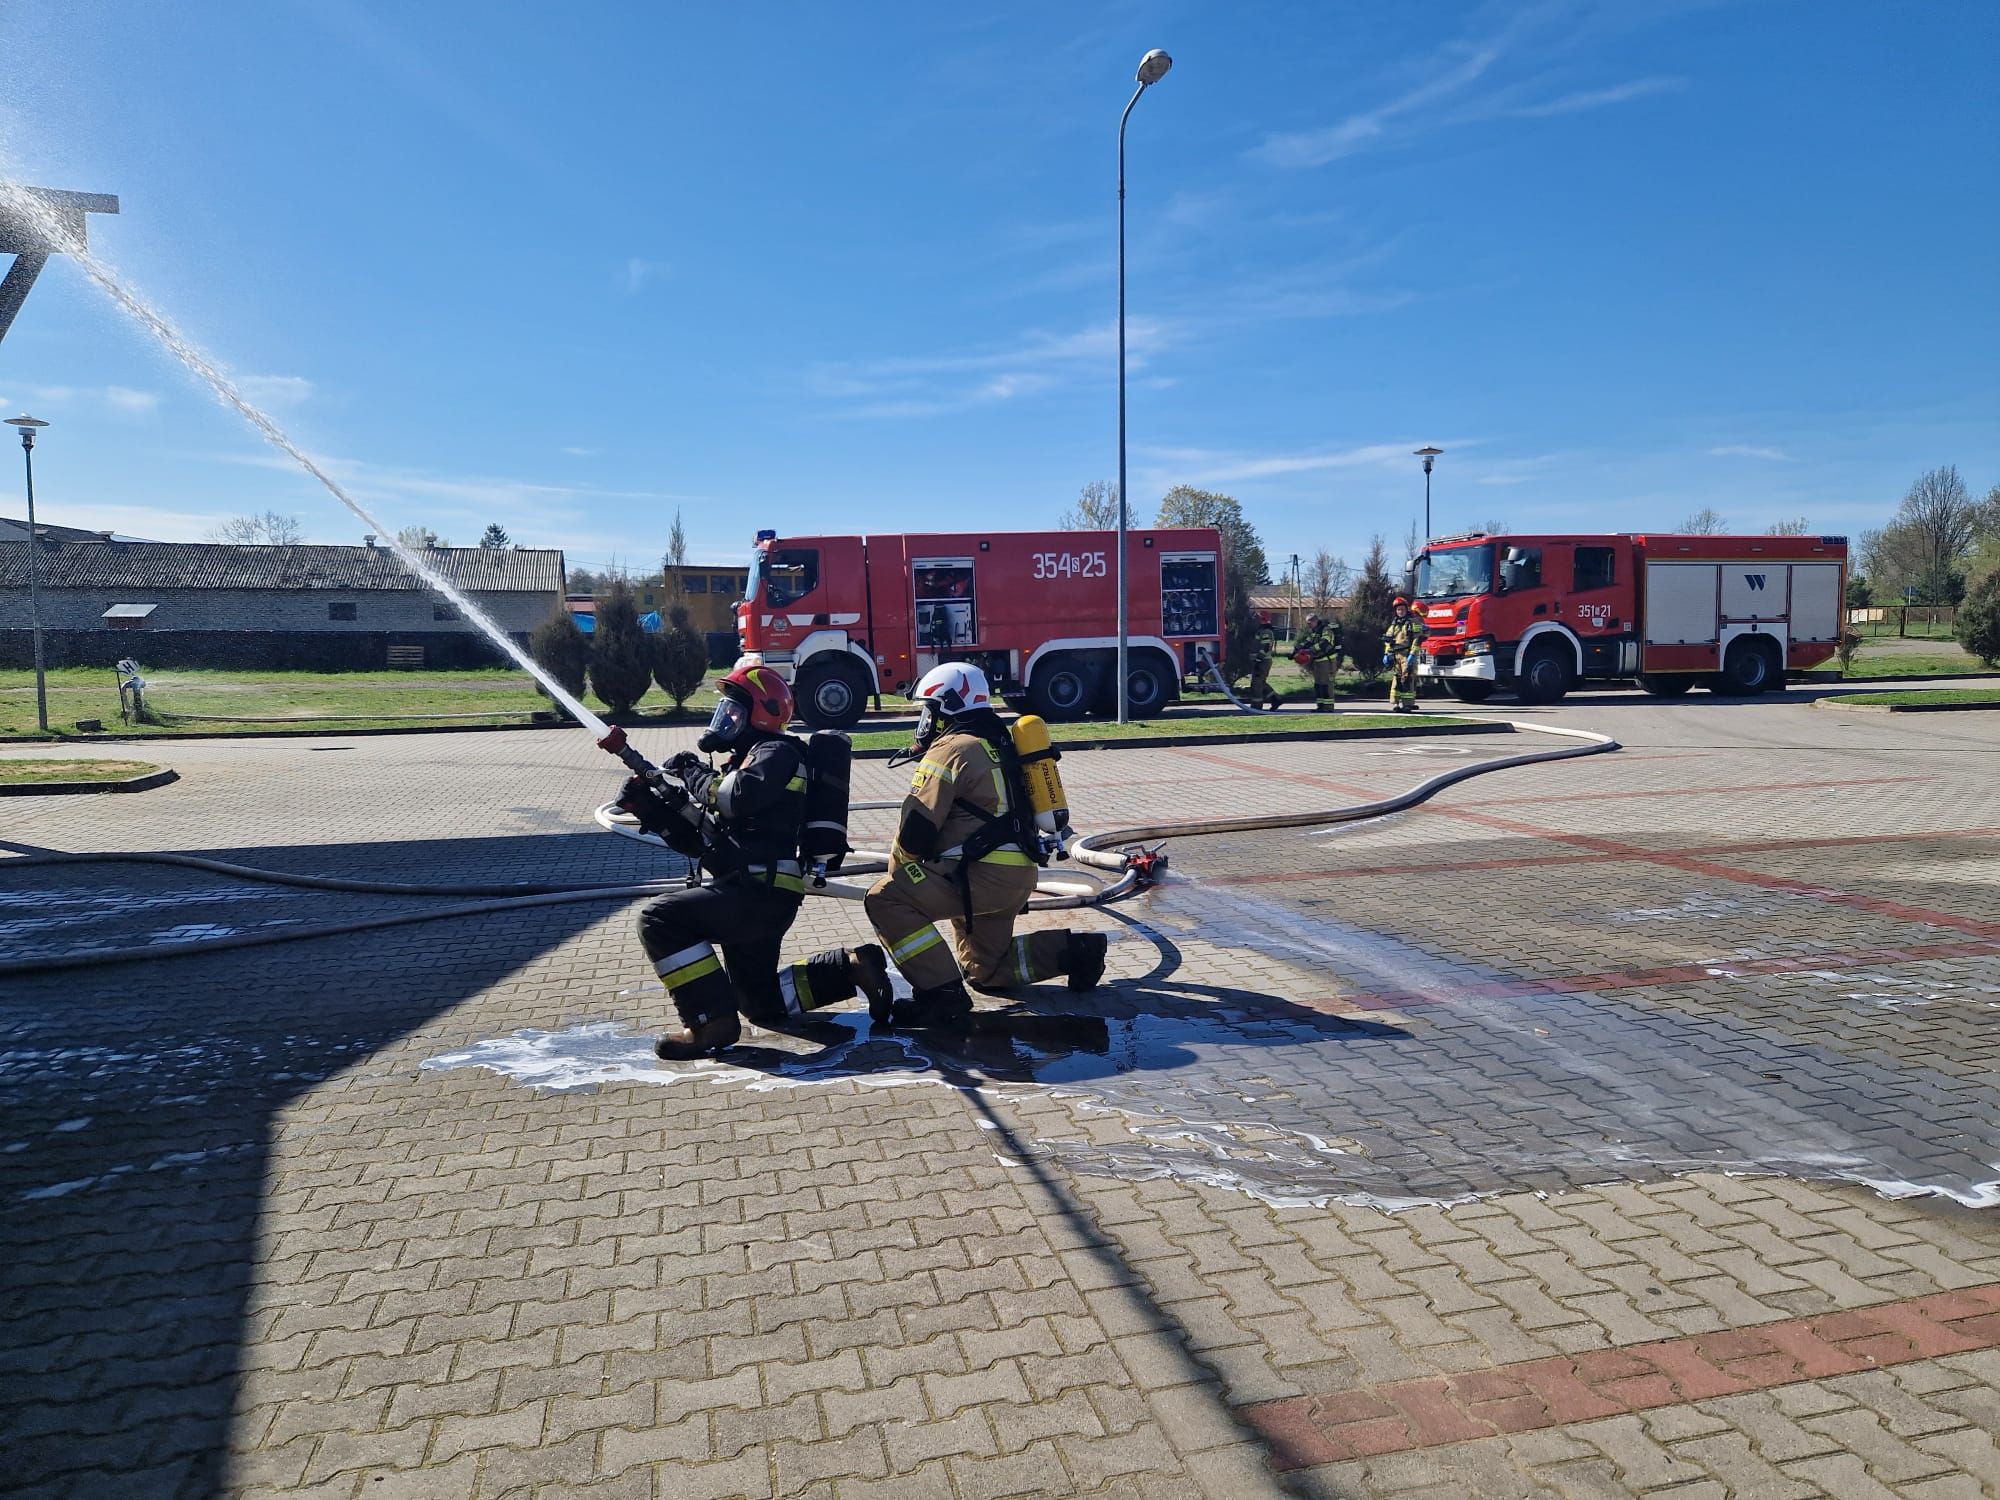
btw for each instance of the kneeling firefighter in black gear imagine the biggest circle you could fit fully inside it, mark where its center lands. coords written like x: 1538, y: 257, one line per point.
x: 966, y: 851
x: 744, y: 824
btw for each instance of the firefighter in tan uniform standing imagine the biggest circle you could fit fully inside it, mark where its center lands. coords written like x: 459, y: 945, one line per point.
x: 1402, y: 643
x: 961, y: 855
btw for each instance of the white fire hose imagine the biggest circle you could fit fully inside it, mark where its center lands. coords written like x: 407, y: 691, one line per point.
x: 1132, y: 866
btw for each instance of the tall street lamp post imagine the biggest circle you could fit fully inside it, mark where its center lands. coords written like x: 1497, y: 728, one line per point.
x: 27, y: 426
x: 1152, y: 68
x: 1429, y: 456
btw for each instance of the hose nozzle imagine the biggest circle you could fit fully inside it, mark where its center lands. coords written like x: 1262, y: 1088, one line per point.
x: 616, y: 744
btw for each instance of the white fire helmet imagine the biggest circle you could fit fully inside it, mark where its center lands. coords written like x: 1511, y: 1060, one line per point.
x: 947, y: 690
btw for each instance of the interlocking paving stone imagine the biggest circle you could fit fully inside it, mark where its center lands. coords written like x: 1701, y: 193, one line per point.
x: 254, y: 1247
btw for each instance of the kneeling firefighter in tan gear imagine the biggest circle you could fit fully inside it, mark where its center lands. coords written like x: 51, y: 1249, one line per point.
x: 966, y: 851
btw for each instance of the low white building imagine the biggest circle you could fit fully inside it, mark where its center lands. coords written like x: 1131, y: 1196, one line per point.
x: 309, y: 607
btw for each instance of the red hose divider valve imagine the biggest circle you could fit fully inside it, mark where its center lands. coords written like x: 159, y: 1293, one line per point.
x: 1150, y: 865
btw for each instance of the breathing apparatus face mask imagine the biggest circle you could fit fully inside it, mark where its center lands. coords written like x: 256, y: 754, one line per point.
x: 930, y: 714
x: 726, y: 725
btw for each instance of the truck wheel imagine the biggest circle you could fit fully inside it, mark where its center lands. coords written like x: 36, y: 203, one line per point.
x: 832, y: 696
x: 1469, y: 690
x: 1666, y: 684
x: 1147, y: 689
x: 1544, y: 676
x: 1750, y: 668
x: 1061, y: 690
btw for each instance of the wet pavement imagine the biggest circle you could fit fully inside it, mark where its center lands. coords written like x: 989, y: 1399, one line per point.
x: 1682, y: 1059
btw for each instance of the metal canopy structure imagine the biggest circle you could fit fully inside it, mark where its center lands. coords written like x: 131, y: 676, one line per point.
x: 55, y: 225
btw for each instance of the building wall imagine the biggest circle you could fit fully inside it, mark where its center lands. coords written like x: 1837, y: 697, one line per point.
x: 401, y: 611
x: 713, y: 609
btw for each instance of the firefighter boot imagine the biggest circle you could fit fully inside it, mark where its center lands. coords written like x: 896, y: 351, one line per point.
x: 871, y: 976
x: 1085, y: 964
x: 703, y: 1039
x: 940, y: 1005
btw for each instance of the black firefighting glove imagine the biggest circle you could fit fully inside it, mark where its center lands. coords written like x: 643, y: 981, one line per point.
x: 653, y: 806
x: 684, y: 761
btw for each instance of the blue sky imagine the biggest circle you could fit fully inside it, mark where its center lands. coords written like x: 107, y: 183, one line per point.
x: 850, y: 267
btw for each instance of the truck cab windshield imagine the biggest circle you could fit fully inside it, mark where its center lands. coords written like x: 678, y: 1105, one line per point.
x: 790, y: 574
x: 1455, y: 572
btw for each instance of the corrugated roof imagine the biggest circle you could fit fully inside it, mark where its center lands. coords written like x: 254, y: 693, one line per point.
x: 212, y: 565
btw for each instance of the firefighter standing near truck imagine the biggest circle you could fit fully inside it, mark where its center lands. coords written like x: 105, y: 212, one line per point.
x: 743, y: 825
x: 1318, y: 651
x: 1263, y: 645
x: 1402, y: 643
x: 962, y: 855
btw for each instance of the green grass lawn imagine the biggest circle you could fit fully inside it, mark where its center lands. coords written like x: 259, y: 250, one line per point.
x: 1921, y: 696
x: 1093, y: 732
x: 296, y: 700
x: 18, y: 772
x: 1905, y: 664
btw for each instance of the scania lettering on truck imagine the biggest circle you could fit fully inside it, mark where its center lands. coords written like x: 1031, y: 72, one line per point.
x: 846, y: 618
x: 1540, y: 614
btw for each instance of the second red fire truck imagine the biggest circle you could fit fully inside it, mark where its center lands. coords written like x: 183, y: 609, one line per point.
x: 849, y: 617
x: 1540, y: 614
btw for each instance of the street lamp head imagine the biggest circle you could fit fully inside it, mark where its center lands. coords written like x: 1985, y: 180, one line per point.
x: 26, y: 425
x: 1153, y: 66
x: 1428, y: 454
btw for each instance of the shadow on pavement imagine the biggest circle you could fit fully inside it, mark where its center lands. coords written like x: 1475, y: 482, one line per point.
x: 135, y: 1160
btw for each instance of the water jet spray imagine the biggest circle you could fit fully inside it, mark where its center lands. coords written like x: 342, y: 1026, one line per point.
x: 33, y: 216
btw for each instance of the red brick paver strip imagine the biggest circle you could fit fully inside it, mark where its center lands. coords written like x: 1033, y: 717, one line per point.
x: 1303, y: 1431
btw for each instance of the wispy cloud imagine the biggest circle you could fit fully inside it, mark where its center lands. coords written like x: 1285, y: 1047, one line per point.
x: 1315, y: 148
x: 1750, y: 450
x: 639, y: 272
x: 940, y: 384
x: 1508, y: 471
x: 458, y: 505
x: 583, y: 452
x: 154, y: 523
x: 1449, y: 94
x: 1221, y: 466
x: 122, y: 399
x: 1588, y: 99
x: 275, y: 390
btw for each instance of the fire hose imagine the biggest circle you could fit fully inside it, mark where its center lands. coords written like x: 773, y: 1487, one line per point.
x: 1119, y: 853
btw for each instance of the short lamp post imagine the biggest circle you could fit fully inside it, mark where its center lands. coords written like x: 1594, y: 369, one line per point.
x: 1152, y: 68
x: 1429, y: 456
x: 27, y: 427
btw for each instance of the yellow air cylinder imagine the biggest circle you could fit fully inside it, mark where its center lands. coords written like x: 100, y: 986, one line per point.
x: 1038, y: 759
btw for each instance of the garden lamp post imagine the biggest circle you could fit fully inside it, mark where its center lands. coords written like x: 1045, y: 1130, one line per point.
x: 1429, y: 456
x: 26, y: 426
x: 1152, y: 68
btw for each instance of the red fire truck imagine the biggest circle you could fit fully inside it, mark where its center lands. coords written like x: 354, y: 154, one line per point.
x: 850, y: 617
x: 1539, y: 614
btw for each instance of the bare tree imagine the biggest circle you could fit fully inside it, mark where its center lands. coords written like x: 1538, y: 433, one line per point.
x: 1941, y: 514
x: 420, y: 537
x: 1096, y: 508
x: 1707, y: 521
x: 1921, y: 553
x: 268, y: 530
x: 1327, y: 578
x: 1795, y: 527
x: 580, y: 581
x: 672, y: 564
x: 1495, y: 528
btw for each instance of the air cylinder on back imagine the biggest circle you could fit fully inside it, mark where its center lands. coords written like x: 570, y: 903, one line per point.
x: 829, y: 765
x: 1038, y: 756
